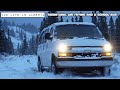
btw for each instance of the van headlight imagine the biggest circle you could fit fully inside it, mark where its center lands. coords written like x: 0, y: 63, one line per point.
x: 108, y: 48
x: 62, y: 48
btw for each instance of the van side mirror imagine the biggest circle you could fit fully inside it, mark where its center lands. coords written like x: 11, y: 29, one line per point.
x: 48, y: 36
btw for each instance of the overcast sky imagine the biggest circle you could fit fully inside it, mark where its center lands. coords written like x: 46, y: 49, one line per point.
x: 36, y: 21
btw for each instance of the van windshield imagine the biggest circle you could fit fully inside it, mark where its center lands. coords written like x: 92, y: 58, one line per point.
x: 79, y: 31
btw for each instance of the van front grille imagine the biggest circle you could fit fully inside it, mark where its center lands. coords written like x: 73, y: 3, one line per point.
x: 86, y: 54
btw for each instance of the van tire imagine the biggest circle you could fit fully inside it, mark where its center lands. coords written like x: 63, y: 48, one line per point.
x: 40, y: 68
x: 54, y: 68
x: 105, y: 71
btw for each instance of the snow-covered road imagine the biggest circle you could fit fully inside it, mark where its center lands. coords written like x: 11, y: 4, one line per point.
x: 24, y: 67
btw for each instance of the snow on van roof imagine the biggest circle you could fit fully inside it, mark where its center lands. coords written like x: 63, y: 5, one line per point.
x: 64, y: 23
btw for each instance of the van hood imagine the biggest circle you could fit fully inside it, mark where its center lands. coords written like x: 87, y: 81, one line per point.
x: 84, y: 42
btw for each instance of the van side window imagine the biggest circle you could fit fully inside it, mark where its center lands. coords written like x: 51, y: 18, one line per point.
x: 42, y: 37
x: 44, y: 40
x: 55, y: 33
x: 46, y: 31
x: 51, y: 31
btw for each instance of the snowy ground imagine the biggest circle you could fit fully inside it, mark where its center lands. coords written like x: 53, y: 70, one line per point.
x: 24, y: 67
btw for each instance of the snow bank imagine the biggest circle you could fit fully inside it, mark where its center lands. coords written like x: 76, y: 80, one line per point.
x: 25, y: 67
x: 115, y: 69
x: 17, y: 66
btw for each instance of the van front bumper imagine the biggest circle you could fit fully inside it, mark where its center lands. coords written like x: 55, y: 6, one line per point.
x: 83, y: 63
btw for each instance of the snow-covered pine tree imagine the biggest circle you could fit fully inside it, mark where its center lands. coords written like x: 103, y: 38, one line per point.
x: 112, y: 30
x: 24, y: 48
x: 117, y: 33
x: 102, y: 24
x: 42, y: 24
x: 11, y: 49
x: 12, y: 33
x: 2, y: 39
x: 37, y: 43
x: 80, y: 18
x: 4, y: 25
x: 21, y: 34
x: 32, y: 45
x: 18, y: 49
x: 76, y: 19
x: 61, y: 19
x: 45, y: 22
x: 94, y: 18
x: 9, y: 45
x: 48, y: 20
x: 72, y: 19
x: 67, y: 20
x: 51, y: 19
x: 13, y: 23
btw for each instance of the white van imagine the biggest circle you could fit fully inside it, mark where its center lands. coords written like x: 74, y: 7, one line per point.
x: 74, y: 45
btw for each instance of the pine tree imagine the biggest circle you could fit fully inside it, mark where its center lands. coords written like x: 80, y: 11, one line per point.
x: 32, y: 45
x: 61, y: 19
x: 44, y: 23
x: 4, y: 25
x: 117, y: 33
x: 3, y: 40
x: 11, y: 49
x: 72, y: 19
x: 13, y: 23
x: 54, y: 19
x: 9, y: 45
x: 21, y: 34
x: 102, y: 24
x: 112, y: 30
x: 67, y: 20
x: 76, y: 19
x: 80, y: 18
x: 18, y: 49
x: 37, y: 43
x: 42, y: 26
x: 24, y: 47
x: 48, y: 20
x: 12, y: 33
x: 94, y: 18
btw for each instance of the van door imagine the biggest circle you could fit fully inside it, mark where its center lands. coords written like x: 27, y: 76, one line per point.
x: 49, y: 47
x: 43, y: 52
x: 45, y: 61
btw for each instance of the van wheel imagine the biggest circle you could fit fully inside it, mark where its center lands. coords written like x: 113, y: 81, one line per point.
x: 40, y: 68
x: 54, y: 69
x: 105, y: 71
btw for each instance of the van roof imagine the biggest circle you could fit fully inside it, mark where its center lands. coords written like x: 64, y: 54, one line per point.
x: 64, y: 23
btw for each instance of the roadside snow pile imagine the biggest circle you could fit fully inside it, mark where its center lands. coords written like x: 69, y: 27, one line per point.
x: 25, y: 67
x: 115, y: 68
x: 16, y: 67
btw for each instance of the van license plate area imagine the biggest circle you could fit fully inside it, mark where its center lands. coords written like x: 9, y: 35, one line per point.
x: 87, y: 56
x: 87, y: 51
